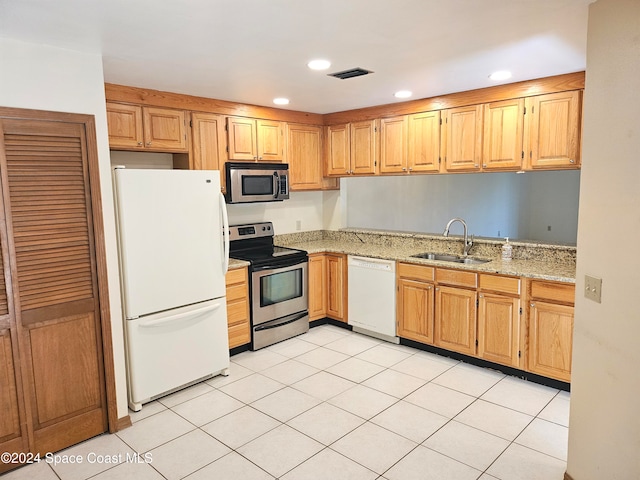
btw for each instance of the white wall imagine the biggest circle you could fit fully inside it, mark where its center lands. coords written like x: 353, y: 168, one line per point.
x: 45, y: 78
x: 604, y: 427
x: 493, y: 205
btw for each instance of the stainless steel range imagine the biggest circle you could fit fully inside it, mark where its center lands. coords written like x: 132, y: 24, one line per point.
x: 278, y: 287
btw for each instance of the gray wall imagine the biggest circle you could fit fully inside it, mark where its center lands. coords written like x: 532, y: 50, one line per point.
x: 520, y: 206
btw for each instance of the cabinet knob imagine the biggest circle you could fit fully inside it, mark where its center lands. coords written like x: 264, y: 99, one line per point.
x: 259, y: 158
x: 255, y: 158
x: 476, y: 165
x: 148, y: 144
x: 480, y: 296
x: 533, y: 304
x: 404, y: 169
x: 410, y: 169
x: 571, y: 161
x: 437, y: 289
x: 484, y: 165
x: 139, y: 144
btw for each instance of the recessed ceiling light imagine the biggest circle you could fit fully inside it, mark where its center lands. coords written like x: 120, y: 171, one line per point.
x: 500, y: 75
x: 403, y: 94
x: 281, y: 101
x: 319, y: 64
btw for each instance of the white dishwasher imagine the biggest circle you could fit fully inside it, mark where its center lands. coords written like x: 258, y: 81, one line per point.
x: 372, y: 297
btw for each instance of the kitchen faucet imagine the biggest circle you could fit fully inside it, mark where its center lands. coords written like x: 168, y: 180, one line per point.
x: 467, y: 243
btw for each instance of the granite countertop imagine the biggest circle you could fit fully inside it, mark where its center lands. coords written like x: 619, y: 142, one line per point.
x: 549, y: 262
x: 235, y: 263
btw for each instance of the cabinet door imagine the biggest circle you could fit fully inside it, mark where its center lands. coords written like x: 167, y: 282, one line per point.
x: 455, y: 322
x: 555, y: 130
x: 415, y: 310
x: 364, y: 149
x: 237, y: 285
x: 424, y: 142
x: 463, y: 135
x: 304, y: 152
x: 165, y: 129
x: 499, y: 329
x: 337, y: 287
x: 338, y: 153
x: 209, y: 145
x: 270, y: 141
x: 317, y: 286
x: 393, y: 144
x: 124, y: 123
x: 502, y: 142
x: 551, y: 340
x: 242, y: 138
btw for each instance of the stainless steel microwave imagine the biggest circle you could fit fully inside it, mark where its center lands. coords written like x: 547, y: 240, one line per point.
x: 256, y: 182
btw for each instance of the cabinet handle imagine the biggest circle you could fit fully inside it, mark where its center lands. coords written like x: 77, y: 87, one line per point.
x: 404, y: 169
x: 410, y: 169
x: 484, y: 165
x: 475, y: 165
x: 259, y: 158
x: 571, y: 161
x: 480, y: 296
x: 533, y: 304
x: 148, y: 144
x: 437, y: 289
x: 139, y: 144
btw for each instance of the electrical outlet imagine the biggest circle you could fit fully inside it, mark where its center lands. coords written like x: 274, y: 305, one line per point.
x: 298, y: 225
x: 593, y: 288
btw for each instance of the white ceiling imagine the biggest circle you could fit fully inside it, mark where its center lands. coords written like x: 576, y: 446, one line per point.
x: 252, y: 51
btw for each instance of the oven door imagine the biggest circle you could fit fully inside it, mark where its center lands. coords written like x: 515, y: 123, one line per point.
x: 278, y: 291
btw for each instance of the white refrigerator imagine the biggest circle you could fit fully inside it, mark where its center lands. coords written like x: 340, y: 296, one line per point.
x: 174, y: 253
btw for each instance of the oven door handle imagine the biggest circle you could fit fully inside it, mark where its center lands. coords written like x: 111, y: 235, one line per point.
x: 281, y: 324
x: 278, y: 267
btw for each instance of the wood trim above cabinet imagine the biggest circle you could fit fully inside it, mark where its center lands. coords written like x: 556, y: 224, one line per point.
x: 147, y: 96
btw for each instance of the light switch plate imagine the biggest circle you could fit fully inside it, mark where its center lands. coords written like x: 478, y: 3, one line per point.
x: 593, y: 288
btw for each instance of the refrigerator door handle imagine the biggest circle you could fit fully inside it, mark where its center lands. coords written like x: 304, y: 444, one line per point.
x: 225, y: 234
x: 174, y: 318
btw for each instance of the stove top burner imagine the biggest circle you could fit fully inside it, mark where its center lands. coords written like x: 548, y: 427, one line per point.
x: 254, y: 243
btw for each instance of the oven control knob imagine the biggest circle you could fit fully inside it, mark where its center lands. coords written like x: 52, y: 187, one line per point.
x: 269, y: 228
x: 264, y: 228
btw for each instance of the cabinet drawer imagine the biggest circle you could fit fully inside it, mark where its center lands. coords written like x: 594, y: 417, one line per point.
x: 457, y: 277
x: 237, y: 275
x: 237, y: 292
x: 499, y: 284
x: 237, y: 312
x: 559, y: 292
x: 418, y: 272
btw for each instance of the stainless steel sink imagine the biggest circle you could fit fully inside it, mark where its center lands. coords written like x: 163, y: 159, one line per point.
x: 450, y: 258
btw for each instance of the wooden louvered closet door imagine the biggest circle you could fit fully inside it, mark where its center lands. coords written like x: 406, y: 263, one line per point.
x: 46, y: 200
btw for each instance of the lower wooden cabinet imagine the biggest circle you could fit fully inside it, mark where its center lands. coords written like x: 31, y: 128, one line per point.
x: 317, y: 286
x: 337, y: 286
x: 455, y: 320
x: 237, y: 282
x: 481, y: 315
x: 499, y: 328
x: 551, y: 329
x: 499, y: 319
x: 415, y: 302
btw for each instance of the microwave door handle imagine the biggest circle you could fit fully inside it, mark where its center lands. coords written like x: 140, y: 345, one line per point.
x: 276, y: 181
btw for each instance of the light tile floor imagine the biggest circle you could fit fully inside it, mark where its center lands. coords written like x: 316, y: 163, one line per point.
x: 332, y: 404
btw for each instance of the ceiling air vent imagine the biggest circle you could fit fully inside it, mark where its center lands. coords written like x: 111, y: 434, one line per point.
x: 352, y: 72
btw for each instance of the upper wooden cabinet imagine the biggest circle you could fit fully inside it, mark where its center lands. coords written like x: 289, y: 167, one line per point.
x: 352, y: 149
x: 304, y: 154
x: 463, y: 138
x: 393, y: 144
x: 554, y: 130
x: 208, y: 143
x: 503, y: 135
x: 133, y: 127
x: 255, y: 140
x: 424, y: 142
